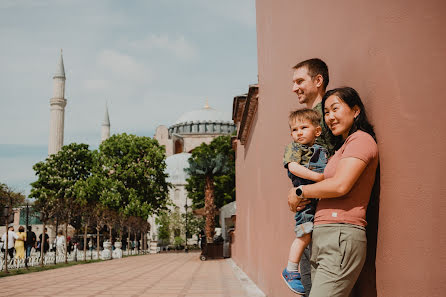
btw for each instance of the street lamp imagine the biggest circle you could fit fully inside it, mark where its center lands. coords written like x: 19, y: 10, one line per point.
x: 27, y: 224
x: 6, y: 215
x: 185, y: 249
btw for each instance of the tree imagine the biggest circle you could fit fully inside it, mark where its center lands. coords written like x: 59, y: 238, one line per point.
x: 55, y: 188
x: 164, y: 227
x: 10, y: 197
x: 207, y: 163
x: 135, y: 165
x: 224, y: 183
x: 194, y: 224
x: 8, y: 200
x: 131, y: 169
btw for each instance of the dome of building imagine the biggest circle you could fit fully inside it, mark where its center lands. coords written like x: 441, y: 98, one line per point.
x: 203, y: 121
x: 175, y: 165
x: 204, y: 115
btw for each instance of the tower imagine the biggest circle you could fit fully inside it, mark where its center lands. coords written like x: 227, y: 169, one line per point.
x: 57, y: 109
x: 105, y: 133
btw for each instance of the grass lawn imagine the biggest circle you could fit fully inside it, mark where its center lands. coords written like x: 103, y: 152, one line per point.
x: 38, y: 268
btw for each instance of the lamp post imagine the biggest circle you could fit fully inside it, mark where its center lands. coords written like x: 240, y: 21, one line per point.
x: 6, y: 215
x: 27, y: 224
x: 185, y: 248
x: 55, y: 240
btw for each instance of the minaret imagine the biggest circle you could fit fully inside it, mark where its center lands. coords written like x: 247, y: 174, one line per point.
x: 206, y: 106
x: 57, y: 109
x: 105, y: 134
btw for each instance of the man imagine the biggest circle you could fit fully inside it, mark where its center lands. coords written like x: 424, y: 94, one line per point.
x: 11, y: 240
x: 46, y: 242
x: 30, y: 241
x: 310, y: 80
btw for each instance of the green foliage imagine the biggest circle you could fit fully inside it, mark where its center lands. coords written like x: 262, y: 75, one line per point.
x: 218, y: 160
x: 133, y: 168
x: 164, y: 227
x: 178, y: 241
x: 57, y: 176
x: 123, y: 182
x: 176, y: 222
x: 194, y: 224
x: 170, y: 222
x: 9, y: 196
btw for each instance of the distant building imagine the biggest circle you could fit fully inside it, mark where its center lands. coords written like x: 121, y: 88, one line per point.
x: 189, y: 131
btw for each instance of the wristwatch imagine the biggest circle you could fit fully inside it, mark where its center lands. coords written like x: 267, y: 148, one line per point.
x: 299, y: 192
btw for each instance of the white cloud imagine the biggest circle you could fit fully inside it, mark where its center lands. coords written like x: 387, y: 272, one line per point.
x: 116, y: 72
x: 178, y: 46
x: 96, y: 84
x: 123, y: 66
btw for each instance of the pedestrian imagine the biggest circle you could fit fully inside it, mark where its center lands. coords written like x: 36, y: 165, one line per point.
x: 202, y: 237
x: 69, y: 244
x: 11, y: 240
x: 46, y: 242
x: 20, y: 243
x: 59, y: 243
x: 30, y: 242
x: 339, y: 237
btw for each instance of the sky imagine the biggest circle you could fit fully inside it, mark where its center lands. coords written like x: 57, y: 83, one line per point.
x: 150, y: 61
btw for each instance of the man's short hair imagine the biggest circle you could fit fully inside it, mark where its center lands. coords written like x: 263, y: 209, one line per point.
x: 315, y: 66
x: 305, y: 114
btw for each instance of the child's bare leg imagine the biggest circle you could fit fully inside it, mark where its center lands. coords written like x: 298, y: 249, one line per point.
x: 297, y: 250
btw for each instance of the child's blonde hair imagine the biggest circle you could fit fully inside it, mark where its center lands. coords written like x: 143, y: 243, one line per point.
x: 305, y: 114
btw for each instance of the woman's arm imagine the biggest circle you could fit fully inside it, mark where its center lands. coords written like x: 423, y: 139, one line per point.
x: 303, y: 172
x: 347, y: 173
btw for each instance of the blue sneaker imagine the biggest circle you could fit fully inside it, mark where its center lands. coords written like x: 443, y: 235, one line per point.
x: 292, y: 280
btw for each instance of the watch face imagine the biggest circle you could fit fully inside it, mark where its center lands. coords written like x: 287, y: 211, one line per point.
x: 299, y: 192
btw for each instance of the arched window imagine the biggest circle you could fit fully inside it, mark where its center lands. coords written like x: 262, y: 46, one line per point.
x: 178, y: 146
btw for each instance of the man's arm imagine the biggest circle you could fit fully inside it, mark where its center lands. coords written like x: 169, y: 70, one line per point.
x: 303, y: 172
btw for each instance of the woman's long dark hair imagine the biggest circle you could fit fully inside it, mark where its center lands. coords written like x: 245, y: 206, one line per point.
x: 352, y: 99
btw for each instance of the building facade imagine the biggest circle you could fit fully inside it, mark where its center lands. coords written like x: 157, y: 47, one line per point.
x: 190, y: 130
x: 392, y: 52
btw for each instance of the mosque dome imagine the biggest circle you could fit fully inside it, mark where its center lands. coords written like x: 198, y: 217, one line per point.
x: 203, y: 115
x: 203, y: 121
x: 175, y: 165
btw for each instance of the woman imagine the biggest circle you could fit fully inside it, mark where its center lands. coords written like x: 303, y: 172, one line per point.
x: 60, y: 243
x: 20, y: 243
x: 339, y: 238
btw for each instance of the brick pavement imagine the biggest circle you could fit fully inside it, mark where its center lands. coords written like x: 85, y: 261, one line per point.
x: 163, y: 275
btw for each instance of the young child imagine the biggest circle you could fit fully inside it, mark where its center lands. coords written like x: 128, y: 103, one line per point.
x: 305, y: 162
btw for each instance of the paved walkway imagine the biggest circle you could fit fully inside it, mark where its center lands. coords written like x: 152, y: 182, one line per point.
x: 163, y: 275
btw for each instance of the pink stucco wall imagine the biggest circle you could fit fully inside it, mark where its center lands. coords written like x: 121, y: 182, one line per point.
x: 394, y: 54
